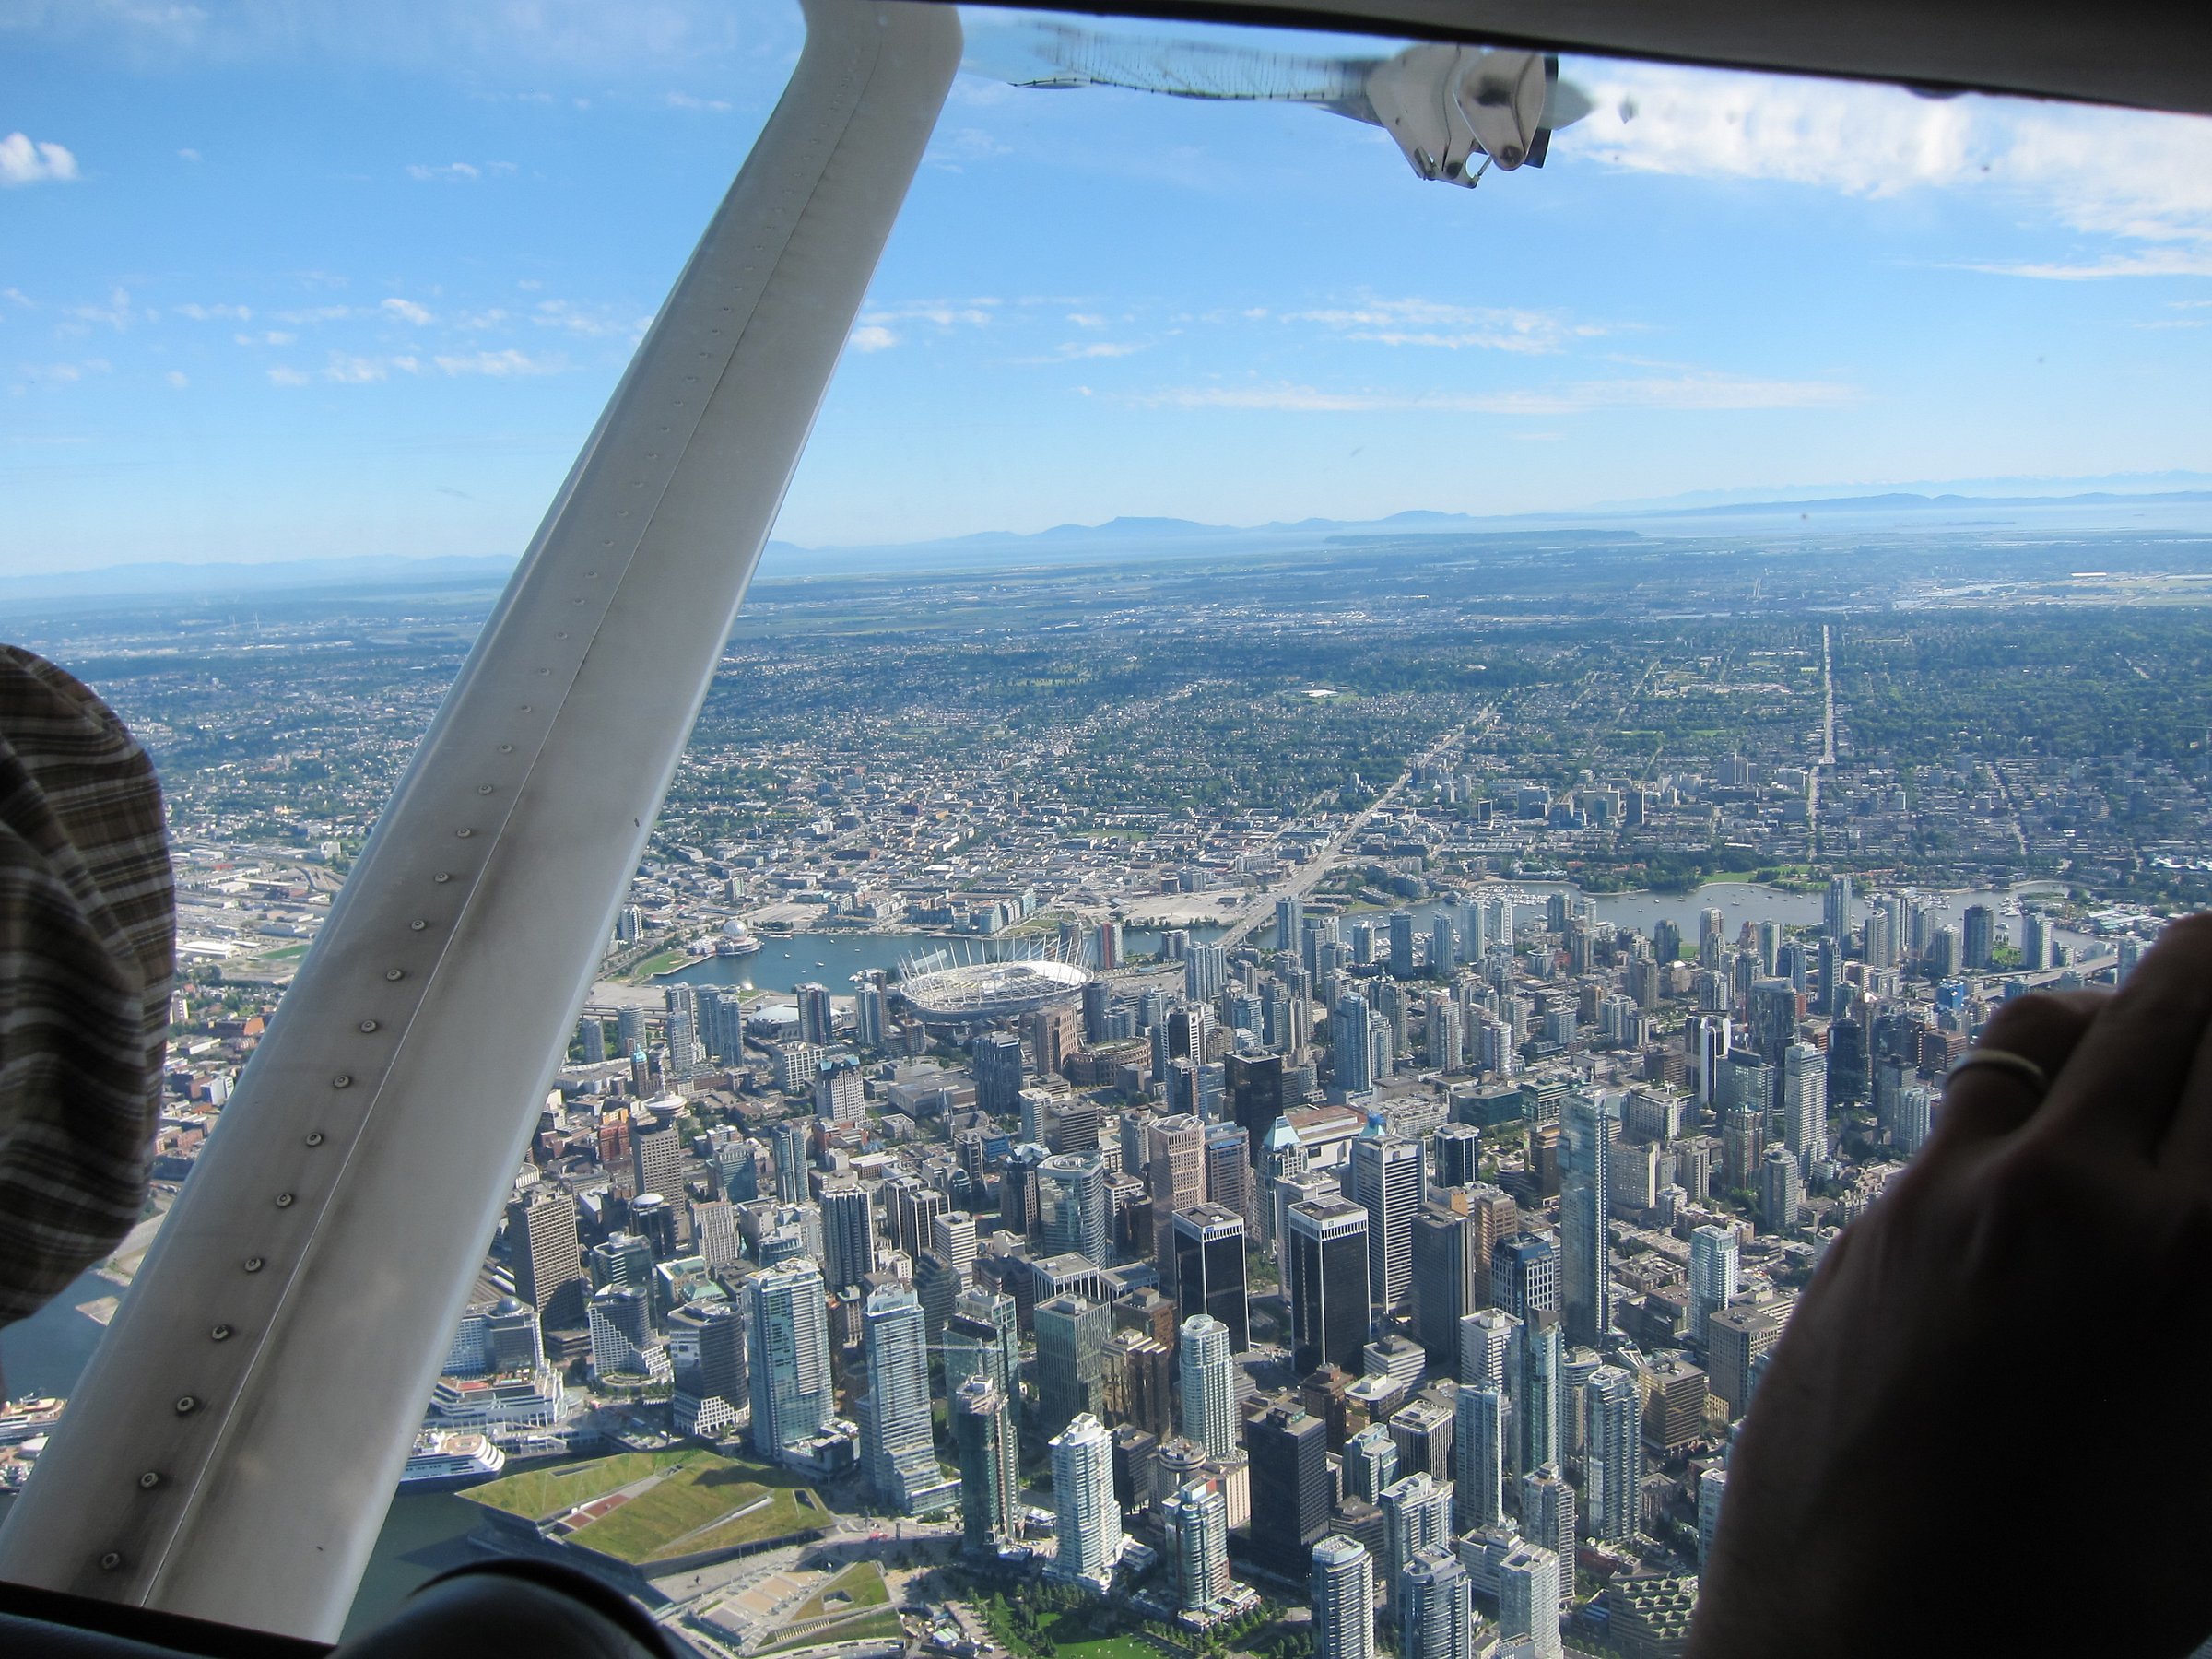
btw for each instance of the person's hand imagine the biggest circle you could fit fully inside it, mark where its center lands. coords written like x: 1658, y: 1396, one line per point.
x: 1984, y: 1430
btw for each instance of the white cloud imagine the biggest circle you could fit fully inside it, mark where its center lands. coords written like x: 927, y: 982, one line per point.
x: 24, y: 161
x: 943, y: 313
x: 1304, y: 400
x: 406, y: 310
x: 452, y: 171
x: 528, y: 43
x: 61, y: 374
x: 873, y: 336
x: 575, y: 319
x: 116, y: 313
x: 215, y: 314
x: 2152, y: 261
x: 684, y: 100
x: 1075, y: 350
x: 345, y: 369
x: 169, y: 26
x: 1086, y: 320
x: 1453, y: 327
x: 1862, y: 140
x: 1690, y: 390
x: 317, y: 314
x: 177, y: 379
x: 19, y: 296
x: 500, y: 364
x: 274, y: 337
x: 2129, y: 175
x: 188, y: 155
x: 354, y: 370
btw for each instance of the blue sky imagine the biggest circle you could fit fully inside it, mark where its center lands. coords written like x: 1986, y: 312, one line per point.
x: 287, y: 281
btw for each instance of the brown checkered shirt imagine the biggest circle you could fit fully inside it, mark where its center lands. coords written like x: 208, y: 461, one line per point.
x: 87, y: 948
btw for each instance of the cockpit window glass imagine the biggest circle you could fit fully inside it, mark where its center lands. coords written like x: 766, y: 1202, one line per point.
x: 1588, y: 618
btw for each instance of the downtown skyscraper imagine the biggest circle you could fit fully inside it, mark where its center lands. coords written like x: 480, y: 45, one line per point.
x: 1589, y: 1127
x: 1385, y: 1178
x: 1529, y: 1600
x: 979, y: 1341
x: 1291, y: 1486
x: 848, y: 1234
x: 1536, y: 1379
x: 1434, y: 1613
x: 1089, y: 1521
x: 1208, y: 1387
x: 1175, y: 1162
x: 1325, y: 1279
x: 899, y: 1456
x: 1208, y: 1244
x: 1196, y: 1522
x: 1342, y: 1591
x: 1351, y: 1044
x: 1071, y: 1201
x: 1712, y: 1276
x: 790, y: 1387
x: 1805, y: 1103
x: 1613, y: 1461
x: 990, y: 1466
x: 1479, y: 1456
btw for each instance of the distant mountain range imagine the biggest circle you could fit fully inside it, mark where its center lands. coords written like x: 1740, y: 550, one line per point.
x: 1168, y: 536
x: 1419, y: 523
x: 1155, y: 537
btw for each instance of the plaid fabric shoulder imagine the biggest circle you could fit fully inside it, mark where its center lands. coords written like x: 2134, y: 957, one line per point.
x: 87, y: 951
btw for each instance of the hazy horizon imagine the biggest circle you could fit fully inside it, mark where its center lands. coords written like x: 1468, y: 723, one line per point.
x: 23, y: 580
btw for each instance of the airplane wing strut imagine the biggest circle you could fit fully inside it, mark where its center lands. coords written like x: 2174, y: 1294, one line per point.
x: 230, y: 1452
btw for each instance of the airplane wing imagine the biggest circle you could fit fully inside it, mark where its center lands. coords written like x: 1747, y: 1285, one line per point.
x: 1054, y: 56
x: 1453, y: 111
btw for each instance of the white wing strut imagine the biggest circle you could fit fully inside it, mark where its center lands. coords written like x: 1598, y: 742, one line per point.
x: 231, y: 1451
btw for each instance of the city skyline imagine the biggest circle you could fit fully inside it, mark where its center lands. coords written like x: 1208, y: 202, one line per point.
x: 1540, y: 1170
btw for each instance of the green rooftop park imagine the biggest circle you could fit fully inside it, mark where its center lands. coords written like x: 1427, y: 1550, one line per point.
x: 643, y: 1507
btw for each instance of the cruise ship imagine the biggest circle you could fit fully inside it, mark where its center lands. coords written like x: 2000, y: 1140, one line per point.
x: 441, y: 1460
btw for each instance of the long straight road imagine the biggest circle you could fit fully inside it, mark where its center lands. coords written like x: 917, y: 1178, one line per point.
x: 1827, y: 696
x: 1828, y: 746
x: 1261, y: 908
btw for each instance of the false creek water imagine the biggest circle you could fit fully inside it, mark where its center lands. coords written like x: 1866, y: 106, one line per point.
x: 832, y: 958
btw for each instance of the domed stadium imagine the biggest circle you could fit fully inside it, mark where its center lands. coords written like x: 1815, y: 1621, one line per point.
x: 944, y: 990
